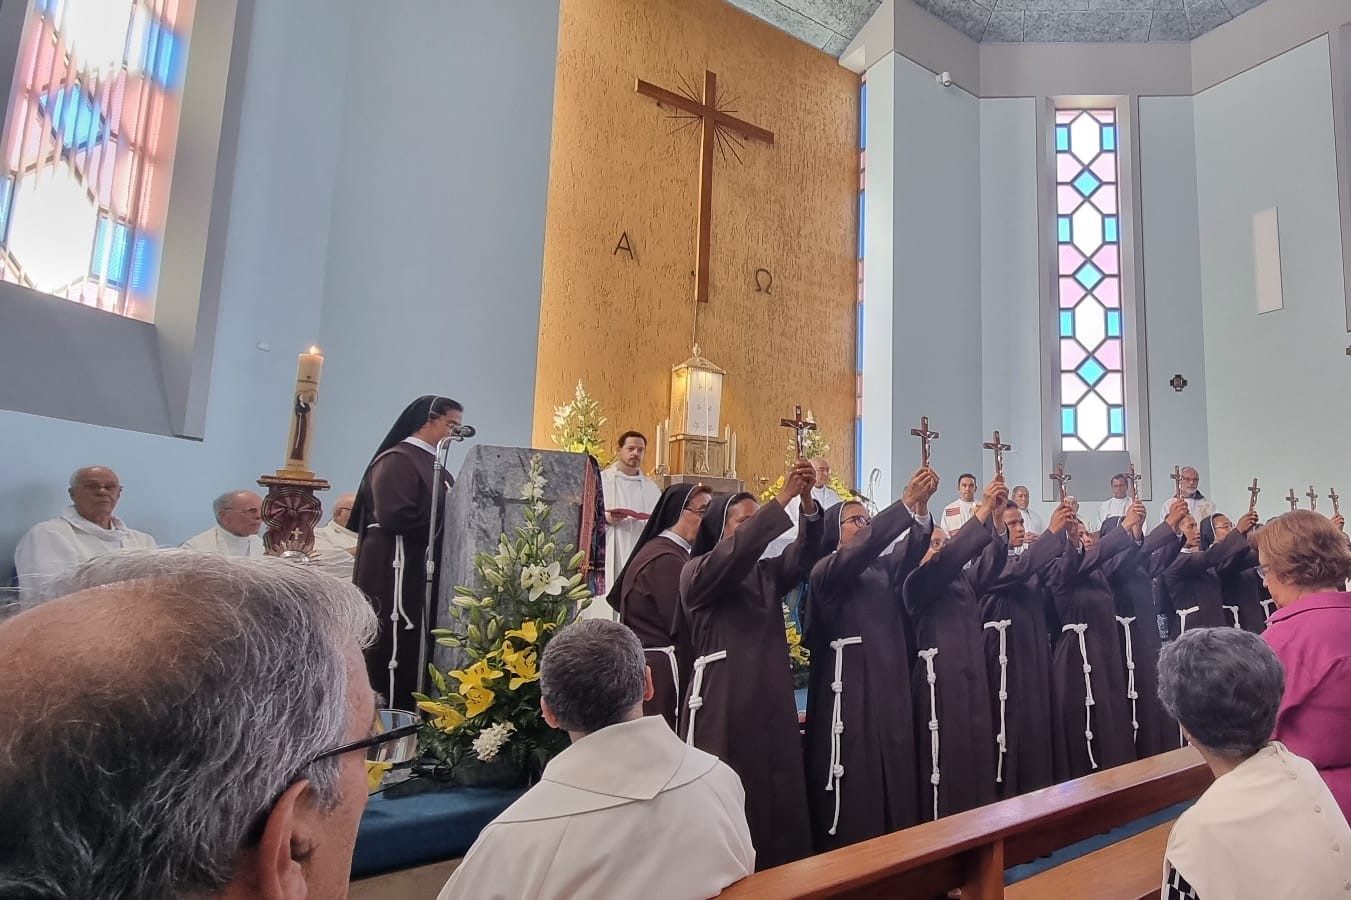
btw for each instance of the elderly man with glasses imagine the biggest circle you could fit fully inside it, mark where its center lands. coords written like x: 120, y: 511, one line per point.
x: 1198, y: 504
x: 203, y: 741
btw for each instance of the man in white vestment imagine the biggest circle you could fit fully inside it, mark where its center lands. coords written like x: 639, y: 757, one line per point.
x: 825, y: 497
x: 630, y: 497
x: 1032, y: 522
x: 1268, y: 826
x: 85, y: 530
x: 1198, y: 504
x: 1118, y: 503
x: 628, y: 810
x: 239, y: 516
x: 957, y: 512
x: 334, y: 545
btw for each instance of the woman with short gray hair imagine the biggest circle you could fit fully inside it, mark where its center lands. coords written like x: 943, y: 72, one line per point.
x: 1224, y: 686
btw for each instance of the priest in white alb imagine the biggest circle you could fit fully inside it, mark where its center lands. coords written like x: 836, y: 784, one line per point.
x: 628, y: 810
x: 239, y: 517
x: 335, y: 546
x: 85, y: 530
x: 630, y: 497
x: 958, y: 512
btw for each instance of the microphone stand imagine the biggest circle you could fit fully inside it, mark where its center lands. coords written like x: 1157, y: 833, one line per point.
x: 429, y: 586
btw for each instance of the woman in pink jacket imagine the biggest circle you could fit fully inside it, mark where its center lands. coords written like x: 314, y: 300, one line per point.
x: 1305, y: 562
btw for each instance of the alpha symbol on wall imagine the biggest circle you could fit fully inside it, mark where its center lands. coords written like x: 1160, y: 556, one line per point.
x: 624, y: 245
x: 718, y: 127
x: 763, y: 281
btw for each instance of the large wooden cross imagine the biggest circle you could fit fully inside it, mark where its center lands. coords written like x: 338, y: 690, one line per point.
x: 1134, y: 478
x: 1061, y: 479
x: 1313, y: 499
x: 800, y: 428
x: 1254, y: 491
x: 1177, y: 482
x: 998, y: 448
x: 1293, y: 500
x: 717, y: 127
x: 926, y: 437
x: 1336, y: 506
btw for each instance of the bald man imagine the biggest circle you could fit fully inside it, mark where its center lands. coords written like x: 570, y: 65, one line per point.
x: 239, y: 517
x: 88, y: 528
x: 335, y: 546
x: 233, y: 766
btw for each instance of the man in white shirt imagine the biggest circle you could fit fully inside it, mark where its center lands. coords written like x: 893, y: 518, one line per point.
x: 239, y: 516
x: 335, y: 547
x: 629, y: 810
x: 1118, y: 503
x: 1268, y: 826
x: 1032, y: 522
x: 1198, y: 504
x: 85, y: 530
x: 630, y: 497
x: 825, y: 497
x: 957, y: 512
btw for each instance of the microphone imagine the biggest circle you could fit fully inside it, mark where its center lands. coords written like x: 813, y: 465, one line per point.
x: 460, y: 432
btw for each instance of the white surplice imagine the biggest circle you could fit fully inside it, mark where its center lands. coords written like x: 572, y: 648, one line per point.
x: 1199, y: 507
x: 957, y: 513
x: 1112, y: 507
x: 1268, y: 829
x: 56, y: 546
x: 232, y: 546
x: 635, y: 492
x: 332, y: 546
x: 627, y: 811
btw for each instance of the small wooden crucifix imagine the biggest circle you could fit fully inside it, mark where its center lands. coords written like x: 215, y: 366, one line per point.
x: 1313, y: 499
x: 1293, y: 500
x: 800, y: 428
x: 1061, y: 479
x: 998, y: 449
x: 926, y: 437
x: 1252, y: 500
x: 1177, y: 482
x: 1134, y: 478
x: 717, y: 125
x: 1336, y: 506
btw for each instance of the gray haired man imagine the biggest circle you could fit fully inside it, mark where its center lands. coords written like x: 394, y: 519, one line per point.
x: 1268, y: 826
x: 180, y: 724
x: 628, y: 810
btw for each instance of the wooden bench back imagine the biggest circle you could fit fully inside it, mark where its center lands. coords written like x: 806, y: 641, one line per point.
x: 971, y: 850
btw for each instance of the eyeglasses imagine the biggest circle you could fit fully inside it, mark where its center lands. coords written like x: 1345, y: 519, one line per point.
x: 860, y: 521
x: 699, y: 511
x: 373, y: 744
x: 1262, y: 572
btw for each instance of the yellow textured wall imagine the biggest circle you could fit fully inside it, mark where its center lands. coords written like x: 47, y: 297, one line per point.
x: 792, y: 208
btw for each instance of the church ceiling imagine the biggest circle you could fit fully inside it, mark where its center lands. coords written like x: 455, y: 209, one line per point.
x: 832, y: 24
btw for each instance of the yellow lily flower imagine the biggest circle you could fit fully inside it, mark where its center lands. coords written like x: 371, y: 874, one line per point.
x: 476, y: 699
x: 375, y: 773
x: 444, y: 716
x: 476, y: 675
x: 522, y: 664
x: 529, y: 631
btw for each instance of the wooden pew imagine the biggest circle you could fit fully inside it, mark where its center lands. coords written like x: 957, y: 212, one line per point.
x: 1130, y: 869
x: 971, y: 850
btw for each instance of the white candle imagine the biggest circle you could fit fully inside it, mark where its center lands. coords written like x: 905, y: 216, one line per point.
x: 733, y: 454
x: 303, y: 400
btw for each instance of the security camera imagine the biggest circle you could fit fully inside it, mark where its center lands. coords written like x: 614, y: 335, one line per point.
x: 945, y: 79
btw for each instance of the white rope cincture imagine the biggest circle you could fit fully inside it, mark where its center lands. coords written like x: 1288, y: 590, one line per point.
x: 1131, y: 693
x: 1268, y: 607
x: 1182, y: 614
x: 675, y: 671
x: 398, y: 565
x: 1002, y: 626
x: 1079, y: 630
x: 836, y: 771
x: 928, y: 657
x: 696, y: 700
x: 1233, y: 611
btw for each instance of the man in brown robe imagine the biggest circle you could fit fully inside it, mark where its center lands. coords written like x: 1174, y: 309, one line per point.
x: 739, y: 702
x: 860, y: 741
x: 646, y: 593
x: 1191, y: 583
x: 1018, y: 655
x: 392, y: 518
x: 1092, y: 720
x: 952, y: 706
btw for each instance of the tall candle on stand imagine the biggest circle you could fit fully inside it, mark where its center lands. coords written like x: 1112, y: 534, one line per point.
x: 303, y: 401
x: 732, y: 468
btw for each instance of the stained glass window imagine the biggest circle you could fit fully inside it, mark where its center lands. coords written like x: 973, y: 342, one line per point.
x: 1089, y: 325
x: 88, y: 149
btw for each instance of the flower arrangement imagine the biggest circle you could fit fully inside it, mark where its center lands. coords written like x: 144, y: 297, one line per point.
x: 489, y: 709
x: 577, y: 426
x: 799, y: 658
x: 813, y: 445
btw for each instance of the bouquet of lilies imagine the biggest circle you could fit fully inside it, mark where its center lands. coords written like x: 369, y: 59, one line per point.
x: 577, y: 426
x: 489, y: 708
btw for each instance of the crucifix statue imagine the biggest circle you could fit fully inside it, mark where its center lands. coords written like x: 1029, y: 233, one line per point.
x: 926, y: 438
x: 1293, y: 500
x: 1177, y: 482
x: 1253, y: 491
x: 717, y: 125
x: 1061, y: 479
x: 998, y: 449
x: 1336, y: 507
x: 1313, y: 499
x: 800, y: 428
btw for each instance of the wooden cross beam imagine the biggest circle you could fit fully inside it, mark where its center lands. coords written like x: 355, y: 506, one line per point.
x: 800, y: 428
x: 1293, y: 500
x: 1313, y: 499
x: 717, y: 127
x: 926, y: 437
x: 1253, y: 491
x: 1061, y: 479
x: 998, y: 449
